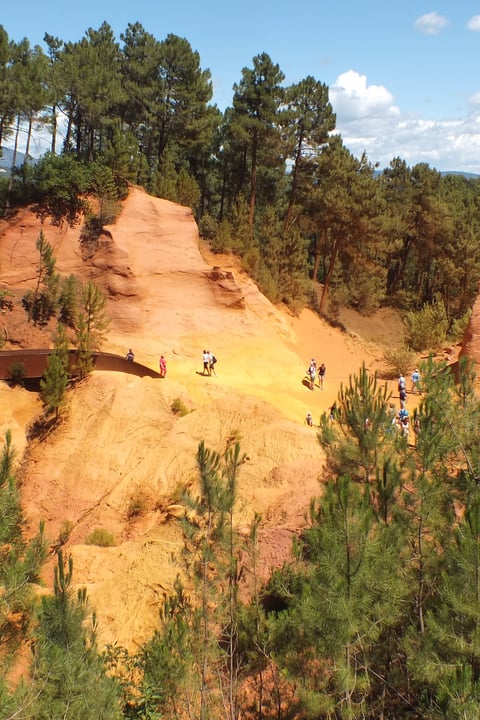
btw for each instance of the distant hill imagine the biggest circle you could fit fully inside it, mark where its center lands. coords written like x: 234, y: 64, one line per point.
x: 7, y: 158
x: 469, y: 176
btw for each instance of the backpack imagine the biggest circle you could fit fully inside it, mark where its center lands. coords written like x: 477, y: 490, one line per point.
x: 213, y: 360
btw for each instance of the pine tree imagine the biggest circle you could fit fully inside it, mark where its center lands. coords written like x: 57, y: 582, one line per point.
x: 192, y: 665
x: 254, y: 120
x: 69, y: 678
x: 307, y: 121
x: 448, y: 660
x: 41, y: 303
x: 92, y: 323
x: 53, y: 384
x: 341, y: 599
x: 67, y: 300
x: 361, y: 438
x: 20, y: 562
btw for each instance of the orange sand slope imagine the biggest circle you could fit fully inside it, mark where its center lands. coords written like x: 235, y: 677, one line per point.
x: 120, y: 447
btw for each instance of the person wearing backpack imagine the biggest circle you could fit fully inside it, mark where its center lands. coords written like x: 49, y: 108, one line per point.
x: 212, y: 363
x: 311, y: 374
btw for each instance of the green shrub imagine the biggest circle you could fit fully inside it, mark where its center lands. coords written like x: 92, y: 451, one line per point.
x: 459, y: 325
x: 222, y: 241
x: 188, y: 191
x: 16, y: 373
x: 65, y: 532
x: 207, y: 227
x: 100, y: 537
x: 179, y: 408
x: 399, y: 359
x: 138, y: 503
x: 427, y: 328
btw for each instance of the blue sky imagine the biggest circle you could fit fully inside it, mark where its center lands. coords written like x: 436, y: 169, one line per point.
x: 403, y: 75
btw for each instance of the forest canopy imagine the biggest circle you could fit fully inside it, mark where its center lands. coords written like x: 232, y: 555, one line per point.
x: 269, y: 178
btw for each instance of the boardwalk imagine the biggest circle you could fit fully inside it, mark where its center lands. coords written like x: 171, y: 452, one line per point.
x: 33, y: 363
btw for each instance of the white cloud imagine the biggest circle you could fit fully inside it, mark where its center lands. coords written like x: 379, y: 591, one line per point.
x: 431, y: 23
x: 474, y: 23
x: 369, y: 121
x: 354, y: 99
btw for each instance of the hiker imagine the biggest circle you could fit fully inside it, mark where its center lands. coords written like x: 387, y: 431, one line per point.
x: 401, y: 383
x: 415, y: 380
x: 206, y: 363
x: 405, y: 427
x: 402, y: 414
x: 333, y: 412
x: 403, y: 395
x: 309, y: 419
x: 392, y: 414
x: 130, y: 356
x: 163, y: 366
x: 321, y: 375
x: 311, y: 374
x: 211, y: 363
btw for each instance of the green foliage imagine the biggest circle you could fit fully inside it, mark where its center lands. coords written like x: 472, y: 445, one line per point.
x: 139, y: 112
x: 190, y: 666
x: 16, y: 373
x: 177, y: 185
x: 100, y: 537
x: 61, y: 182
x: 121, y: 155
x: 66, y: 663
x: 168, y: 684
x: 459, y: 326
x: 65, y: 531
x: 41, y: 303
x: 427, y: 329
x: 223, y: 239
x: 187, y: 190
x: 84, y: 346
x: 6, y: 302
x: 20, y: 561
x: 53, y: 384
x: 138, y: 503
x: 91, y: 231
x: 399, y: 359
x: 363, y: 289
x: 362, y: 431
x: 179, y: 408
x: 67, y: 300
x: 102, y: 183
x: 91, y: 326
x: 208, y: 227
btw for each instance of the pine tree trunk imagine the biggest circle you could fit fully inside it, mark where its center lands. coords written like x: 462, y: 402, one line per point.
x: 331, y: 267
x: 253, y: 183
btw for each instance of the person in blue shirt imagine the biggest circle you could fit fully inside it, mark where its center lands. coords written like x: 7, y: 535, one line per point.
x: 415, y: 380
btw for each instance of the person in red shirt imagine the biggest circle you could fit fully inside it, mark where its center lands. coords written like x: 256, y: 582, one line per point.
x: 163, y: 366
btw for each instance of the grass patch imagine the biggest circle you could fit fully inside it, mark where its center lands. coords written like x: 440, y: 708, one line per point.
x: 138, y: 503
x: 100, y: 537
x: 65, y: 532
x: 179, y: 408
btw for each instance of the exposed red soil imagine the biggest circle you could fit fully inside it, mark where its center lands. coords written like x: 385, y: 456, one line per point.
x: 120, y: 447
